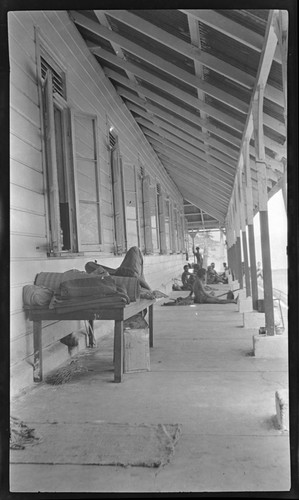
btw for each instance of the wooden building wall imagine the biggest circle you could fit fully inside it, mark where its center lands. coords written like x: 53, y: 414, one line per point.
x: 88, y: 91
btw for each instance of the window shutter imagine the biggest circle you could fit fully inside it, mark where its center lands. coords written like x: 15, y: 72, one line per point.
x: 118, y: 202
x: 162, y: 231
x: 173, y: 232
x: 51, y: 163
x: 147, y: 214
x: 131, y: 205
x: 86, y: 173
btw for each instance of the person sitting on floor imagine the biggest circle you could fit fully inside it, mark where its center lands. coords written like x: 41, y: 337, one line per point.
x: 187, y: 279
x: 212, y: 276
x: 202, y: 297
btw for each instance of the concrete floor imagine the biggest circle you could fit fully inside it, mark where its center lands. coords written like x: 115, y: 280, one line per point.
x: 203, y: 376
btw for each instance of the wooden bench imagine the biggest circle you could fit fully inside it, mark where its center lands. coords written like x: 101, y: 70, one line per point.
x: 119, y: 314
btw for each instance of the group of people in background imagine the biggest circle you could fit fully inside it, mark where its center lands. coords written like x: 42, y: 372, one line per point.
x: 193, y: 280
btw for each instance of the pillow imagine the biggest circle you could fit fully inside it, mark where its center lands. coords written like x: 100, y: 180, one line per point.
x: 34, y: 295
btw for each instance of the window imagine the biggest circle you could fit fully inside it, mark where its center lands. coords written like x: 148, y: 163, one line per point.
x: 161, y: 215
x: 86, y: 170
x: 139, y: 192
x: 167, y: 224
x: 146, y: 197
x: 154, y: 217
x: 71, y: 153
x: 120, y: 237
x: 131, y: 205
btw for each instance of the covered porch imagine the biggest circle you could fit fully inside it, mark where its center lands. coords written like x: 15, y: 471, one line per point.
x: 203, y: 376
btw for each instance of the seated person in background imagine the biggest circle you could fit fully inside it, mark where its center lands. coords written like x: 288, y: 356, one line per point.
x: 212, y: 276
x: 187, y: 279
x: 202, y: 297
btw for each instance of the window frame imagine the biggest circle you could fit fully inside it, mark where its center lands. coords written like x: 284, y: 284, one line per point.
x: 73, y: 114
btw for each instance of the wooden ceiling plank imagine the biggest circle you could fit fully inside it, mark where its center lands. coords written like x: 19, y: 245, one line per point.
x: 230, y: 28
x: 201, y: 187
x: 169, y: 156
x: 228, y: 166
x: 180, y: 112
x: 210, y: 168
x: 223, y: 190
x: 183, y: 96
x: 181, y: 129
x: 184, y: 48
x: 187, y: 139
x: 201, y: 201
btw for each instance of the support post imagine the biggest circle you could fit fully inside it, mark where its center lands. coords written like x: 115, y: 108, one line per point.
x: 118, y: 351
x: 244, y: 236
x: 249, y: 217
x: 257, y: 110
x: 238, y: 243
x: 37, y: 352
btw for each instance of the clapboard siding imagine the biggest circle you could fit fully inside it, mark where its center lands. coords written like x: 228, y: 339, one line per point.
x: 24, y: 245
x: 27, y: 222
x: 29, y: 198
x: 24, y: 127
x: 88, y: 91
x: 27, y: 176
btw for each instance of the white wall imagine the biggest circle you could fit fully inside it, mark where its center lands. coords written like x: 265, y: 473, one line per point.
x: 91, y: 92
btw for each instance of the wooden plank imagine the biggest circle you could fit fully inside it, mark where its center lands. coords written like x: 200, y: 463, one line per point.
x: 26, y: 177
x: 169, y: 117
x: 27, y: 199
x: 189, y: 134
x: 181, y: 111
x: 203, y: 184
x: 200, y: 167
x: 180, y: 46
x: 189, y: 99
x: 200, y: 149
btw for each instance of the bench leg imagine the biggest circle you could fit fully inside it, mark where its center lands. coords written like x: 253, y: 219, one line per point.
x: 91, y: 337
x: 151, y: 325
x: 37, y: 352
x: 118, y: 351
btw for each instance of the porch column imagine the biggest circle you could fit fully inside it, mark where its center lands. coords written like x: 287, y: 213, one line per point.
x: 257, y: 110
x: 249, y: 217
x: 238, y: 242
x: 243, y: 229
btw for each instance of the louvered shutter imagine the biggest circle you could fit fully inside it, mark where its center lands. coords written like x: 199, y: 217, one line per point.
x: 118, y: 202
x: 53, y: 195
x: 162, y: 232
x: 147, y: 214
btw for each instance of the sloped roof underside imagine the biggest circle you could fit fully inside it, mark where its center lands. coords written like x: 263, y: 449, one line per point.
x: 188, y: 78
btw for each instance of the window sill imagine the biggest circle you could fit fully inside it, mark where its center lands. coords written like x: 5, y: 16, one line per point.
x: 65, y: 255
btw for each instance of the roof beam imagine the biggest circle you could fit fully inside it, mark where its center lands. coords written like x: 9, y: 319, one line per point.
x: 230, y: 28
x: 228, y: 166
x: 197, y: 176
x: 183, y: 96
x: 180, y: 128
x: 206, y: 17
x: 201, y: 187
x: 189, y: 194
x: 205, y: 167
x: 166, y: 155
x: 191, y: 117
x: 184, y: 48
x: 270, y: 44
x: 174, y: 134
x: 205, y: 87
